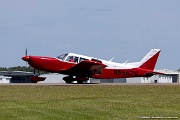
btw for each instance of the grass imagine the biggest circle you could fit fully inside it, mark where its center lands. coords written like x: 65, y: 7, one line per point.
x: 88, y: 102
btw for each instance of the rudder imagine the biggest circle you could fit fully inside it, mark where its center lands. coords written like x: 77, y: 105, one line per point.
x: 149, y: 61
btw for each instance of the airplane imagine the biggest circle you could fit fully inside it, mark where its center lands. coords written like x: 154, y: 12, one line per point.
x: 80, y: 67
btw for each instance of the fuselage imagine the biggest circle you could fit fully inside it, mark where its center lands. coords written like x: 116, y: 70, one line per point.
x: 61, y: 63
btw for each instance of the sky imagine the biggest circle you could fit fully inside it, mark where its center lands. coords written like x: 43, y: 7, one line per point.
x: 124, y: 29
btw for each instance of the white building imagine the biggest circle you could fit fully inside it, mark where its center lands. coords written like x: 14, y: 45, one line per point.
x: 153, y: 79
x: 4, y: 79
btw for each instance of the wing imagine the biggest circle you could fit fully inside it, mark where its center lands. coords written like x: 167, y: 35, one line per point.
x: 85, y: 68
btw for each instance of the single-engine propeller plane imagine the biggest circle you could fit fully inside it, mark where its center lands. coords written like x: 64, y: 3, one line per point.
x: 80, y: 68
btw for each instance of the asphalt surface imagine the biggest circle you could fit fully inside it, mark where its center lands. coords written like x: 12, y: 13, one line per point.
x: 85, y: 84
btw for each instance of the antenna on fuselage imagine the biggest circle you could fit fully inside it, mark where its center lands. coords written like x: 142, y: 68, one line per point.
x: 126, y: 62
x: 111, y: 59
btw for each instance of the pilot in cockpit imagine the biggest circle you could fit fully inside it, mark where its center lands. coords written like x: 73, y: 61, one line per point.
x: 71, y: 59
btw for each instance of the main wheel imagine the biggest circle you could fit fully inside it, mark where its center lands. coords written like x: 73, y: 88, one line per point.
x: 68, y: 79
x: 80, y: 82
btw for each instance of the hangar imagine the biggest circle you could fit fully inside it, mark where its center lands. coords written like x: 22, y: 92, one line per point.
x: 15, y: 77
x: 24, y: 77
x: 174, y: 74
x: 169, y: 77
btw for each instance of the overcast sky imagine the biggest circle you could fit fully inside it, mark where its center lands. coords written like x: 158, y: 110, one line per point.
x: 124, y: 29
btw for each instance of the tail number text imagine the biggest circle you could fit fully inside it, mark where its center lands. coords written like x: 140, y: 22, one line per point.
x: 125, y: 73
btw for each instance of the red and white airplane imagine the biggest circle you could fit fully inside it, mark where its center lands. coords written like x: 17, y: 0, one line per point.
x: 80, y: 68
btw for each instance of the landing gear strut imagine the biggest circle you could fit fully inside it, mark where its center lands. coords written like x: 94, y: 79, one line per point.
x: 68, y: 79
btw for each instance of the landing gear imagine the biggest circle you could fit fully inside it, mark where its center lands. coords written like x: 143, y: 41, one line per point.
x: 68, y: 79
x: 36, y: 73
x: 36, y: 78
x: 80, y: 80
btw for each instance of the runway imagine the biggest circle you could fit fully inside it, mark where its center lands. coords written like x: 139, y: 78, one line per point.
x: 88, y: 84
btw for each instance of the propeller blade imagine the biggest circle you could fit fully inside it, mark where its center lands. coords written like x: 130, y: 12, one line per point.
x: 26, y: 52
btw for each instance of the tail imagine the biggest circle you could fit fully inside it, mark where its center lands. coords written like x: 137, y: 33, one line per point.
x: 149, y: 61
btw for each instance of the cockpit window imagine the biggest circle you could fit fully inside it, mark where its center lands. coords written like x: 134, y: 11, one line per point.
x: 62, y: 57
x: 72, y: 59
x: 69, y: 58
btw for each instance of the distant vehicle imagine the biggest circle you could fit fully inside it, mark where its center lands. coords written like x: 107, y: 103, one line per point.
x: 80, y: 68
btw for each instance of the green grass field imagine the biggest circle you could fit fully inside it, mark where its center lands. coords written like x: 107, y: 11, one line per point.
x: 80, y: 102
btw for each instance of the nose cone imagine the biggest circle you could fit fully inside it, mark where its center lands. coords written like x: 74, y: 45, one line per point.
x: 25, y: 58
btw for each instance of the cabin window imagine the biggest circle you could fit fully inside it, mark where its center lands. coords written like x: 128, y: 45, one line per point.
x: 76, y: 59
x: 82, y: 59
x: 62, y: 57
x: 96, y: 60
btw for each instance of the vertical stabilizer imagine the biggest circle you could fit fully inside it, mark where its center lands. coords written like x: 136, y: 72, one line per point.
x: 149, y: 61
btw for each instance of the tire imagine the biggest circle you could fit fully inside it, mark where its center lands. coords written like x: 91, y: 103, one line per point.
x: 68, y: 81
x: 80, y: 82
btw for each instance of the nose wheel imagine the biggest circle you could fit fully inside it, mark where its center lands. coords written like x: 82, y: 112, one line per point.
x: 36, y: 73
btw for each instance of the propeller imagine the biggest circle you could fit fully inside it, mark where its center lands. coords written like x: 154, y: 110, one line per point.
x: 26, y: 57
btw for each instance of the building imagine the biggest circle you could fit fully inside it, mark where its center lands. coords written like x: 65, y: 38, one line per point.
x: 24, y: 77
x: 174, y: 74
x: 169, y: 77
x: 17, y: 76
x: 4, y: 79
x: 153, y: 79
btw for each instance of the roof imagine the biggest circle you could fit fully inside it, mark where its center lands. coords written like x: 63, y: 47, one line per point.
x: 166, y: 71
x: 10, y: 73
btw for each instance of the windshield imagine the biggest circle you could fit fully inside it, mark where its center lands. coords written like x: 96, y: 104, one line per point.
x: 62, y: 57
